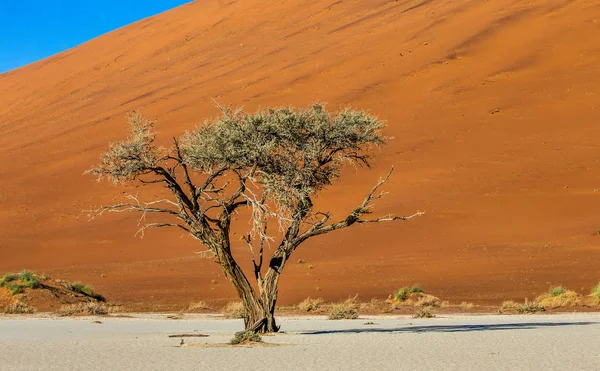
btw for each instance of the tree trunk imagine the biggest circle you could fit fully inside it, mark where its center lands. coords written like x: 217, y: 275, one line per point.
x: 256, y: 309
x: 259, y: 319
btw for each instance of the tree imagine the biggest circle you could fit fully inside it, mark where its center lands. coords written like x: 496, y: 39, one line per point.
x: 271, y: 163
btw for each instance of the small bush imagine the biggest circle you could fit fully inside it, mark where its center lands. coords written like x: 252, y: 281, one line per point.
x: 91, y: 308
x: 559, y: 297
x: 234, y: 310
x: 557, y: 291
x: 596, y: 292
x: 44, y: 277
x: 29, y: 280
x: 530, y: 307
x: 86, y: 290
x: 310, y: 305
x: 201, y: 305
x: 14, y: 288
x: 466, y: 305
x: 509, y: 304
x: 8, y: 277
x: 245, y: 337
x: 402, y: 294
x: 345, y: 310
x: 19, y: 307
x: 423, y: 313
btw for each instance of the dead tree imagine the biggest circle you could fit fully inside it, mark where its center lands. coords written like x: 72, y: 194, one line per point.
x: 271, y: 163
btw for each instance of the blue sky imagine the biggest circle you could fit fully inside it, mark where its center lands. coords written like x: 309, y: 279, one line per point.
x: 31, y: 30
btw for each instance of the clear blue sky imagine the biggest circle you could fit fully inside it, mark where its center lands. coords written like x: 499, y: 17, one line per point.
x: 31, y: 30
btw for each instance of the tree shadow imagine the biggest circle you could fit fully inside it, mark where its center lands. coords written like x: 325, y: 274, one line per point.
x: 452, y: 328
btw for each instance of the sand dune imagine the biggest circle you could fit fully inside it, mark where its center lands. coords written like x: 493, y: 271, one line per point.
x: 493, y: 106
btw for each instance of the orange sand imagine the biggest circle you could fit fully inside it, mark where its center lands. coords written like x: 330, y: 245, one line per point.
x: 494, y: 107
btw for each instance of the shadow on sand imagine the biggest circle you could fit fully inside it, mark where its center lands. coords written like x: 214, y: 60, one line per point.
x: 452, y: 328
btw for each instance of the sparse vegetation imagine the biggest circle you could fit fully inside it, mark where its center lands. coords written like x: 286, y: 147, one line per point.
x: 7, y: 278
x: 91, y: 308
x: 530, y: 307
x: 509, y: 304
x: 310, y: 305
x: 466, y: 305
x: 413, y: 296
x: 346, y: 310
x: 86, y: 290
x: 423, y: 313
x: 29, y: 280
x: 557, y: 291
x: 15, y: 288
x: 402, y: 294
x: 245, y: 337
x: 18, y: 307
x: 559, y: 297
x: 596, y: 293
x: 201, y: 305
x: 234, y: 309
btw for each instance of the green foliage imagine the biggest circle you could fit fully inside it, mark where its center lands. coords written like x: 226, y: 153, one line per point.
x: 245, y: 337
x: 86, y: 290
x: 14, y: 288
x: 596, y: 292
x: 295, y: 153
x: 402, y: 294
x: 29, y: 280
x: 8, y: 277
x: 557, y: 291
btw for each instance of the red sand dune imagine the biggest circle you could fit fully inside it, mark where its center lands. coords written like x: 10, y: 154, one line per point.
x: 494, y: 107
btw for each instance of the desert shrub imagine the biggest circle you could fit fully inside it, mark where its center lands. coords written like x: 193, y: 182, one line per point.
x: 557, y: 291
x: 530, y: 307
x: 423, y: 313
x: 345, y: 310
x: 509, y: 304
x: 44, y: 277
x: 8, y: 277
x: 596, y: 292
x: 245, y: 337
x: 19, y: 307
x: 466, y: 305
x: 86, y: 290
x: 310, y: 305
x: 235, y: 309
x: 94, y: 308
x: 401, y: 294
x: 29, y: 280
x: 14, y: 288
x: 559, y: 297
x: 201, y: 305
x: 91, y: 308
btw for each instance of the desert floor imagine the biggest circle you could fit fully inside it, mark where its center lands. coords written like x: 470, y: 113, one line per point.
x: 490, y: 342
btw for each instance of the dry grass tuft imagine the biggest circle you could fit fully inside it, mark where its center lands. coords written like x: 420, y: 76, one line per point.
x: 466, y: 305
x: 90, y: 308
x: 346, y: 310
x: 509, y: 304
x: 310, y: 305
x: 18, y: 307
x: 234, y: 309
x: 199, y: 306
x: 559, y: 297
